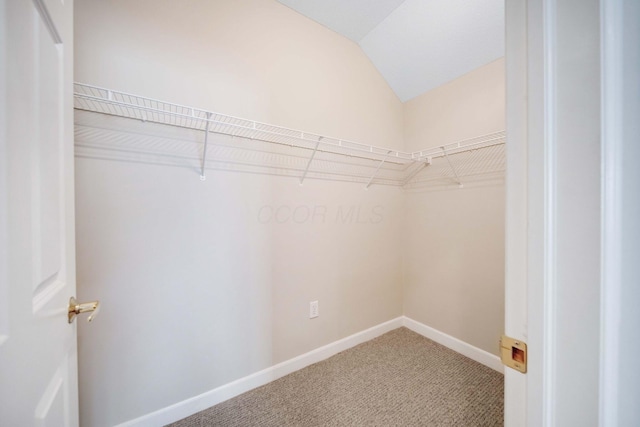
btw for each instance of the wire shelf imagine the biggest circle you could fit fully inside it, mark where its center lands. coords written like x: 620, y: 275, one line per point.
x: 106, y: 101
x: 484, y: 141
x: 481, y: 163
x: 174, y: 134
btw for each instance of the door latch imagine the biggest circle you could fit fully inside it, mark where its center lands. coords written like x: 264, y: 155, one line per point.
x: 513, y: 353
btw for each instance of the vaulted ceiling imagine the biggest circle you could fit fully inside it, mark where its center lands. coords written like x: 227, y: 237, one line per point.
x: 416, y: 45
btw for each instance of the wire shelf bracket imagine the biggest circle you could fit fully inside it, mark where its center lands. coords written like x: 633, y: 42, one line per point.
x: 453, y: 169
x: 366, y: 187
x: 315, y: 150
x: 204, y: 148
x: 422, y: 164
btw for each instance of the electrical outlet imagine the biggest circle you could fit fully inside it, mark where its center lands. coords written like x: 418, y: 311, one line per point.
x: 314, y: 311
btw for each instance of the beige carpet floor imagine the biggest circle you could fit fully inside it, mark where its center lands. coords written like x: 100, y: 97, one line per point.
x: 397, y: 379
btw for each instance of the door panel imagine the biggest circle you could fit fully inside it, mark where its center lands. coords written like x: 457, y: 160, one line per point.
x: 52, y: 409
x: 47, y: 149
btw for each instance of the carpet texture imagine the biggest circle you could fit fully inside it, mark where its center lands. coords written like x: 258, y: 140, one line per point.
x: 397, y: 379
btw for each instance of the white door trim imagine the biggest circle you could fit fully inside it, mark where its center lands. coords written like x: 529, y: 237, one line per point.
x: 620, y: 207
x: 549, y: 167
x: 611, y: 231
x: 516, y: 204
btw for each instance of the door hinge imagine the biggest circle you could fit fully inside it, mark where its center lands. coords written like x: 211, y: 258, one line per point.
x: 513, y: 353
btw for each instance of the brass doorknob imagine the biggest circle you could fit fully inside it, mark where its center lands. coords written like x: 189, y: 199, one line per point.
x: 92, y: 307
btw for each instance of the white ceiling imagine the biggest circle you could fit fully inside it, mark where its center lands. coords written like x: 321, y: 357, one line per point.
x: 416, y: 45
x: 351, y: 18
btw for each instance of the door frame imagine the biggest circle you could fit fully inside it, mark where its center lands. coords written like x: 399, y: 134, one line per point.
x: 516, y: 203
x: 534, y: 311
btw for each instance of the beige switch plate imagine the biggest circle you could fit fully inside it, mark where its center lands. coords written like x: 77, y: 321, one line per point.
x: 513, y: 353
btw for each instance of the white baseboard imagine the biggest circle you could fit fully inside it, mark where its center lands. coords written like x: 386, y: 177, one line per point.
x: 195, y: 404
x: 466, y: 349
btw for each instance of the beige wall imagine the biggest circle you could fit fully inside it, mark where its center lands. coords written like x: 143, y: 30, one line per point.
x: 255, y: 59
x: 202, y: 283
x: 227, y: 290
x: 467, y: 107
x: 454, y: 263
x: 454, y: 240
x: 197, y: 288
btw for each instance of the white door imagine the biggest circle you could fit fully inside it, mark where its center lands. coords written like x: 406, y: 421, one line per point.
x: 38, y: 361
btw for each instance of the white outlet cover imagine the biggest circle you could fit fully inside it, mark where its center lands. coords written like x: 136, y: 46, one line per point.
x: 314, y: 310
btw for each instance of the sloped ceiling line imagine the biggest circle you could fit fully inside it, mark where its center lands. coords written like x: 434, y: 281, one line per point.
x: 417, y: 45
